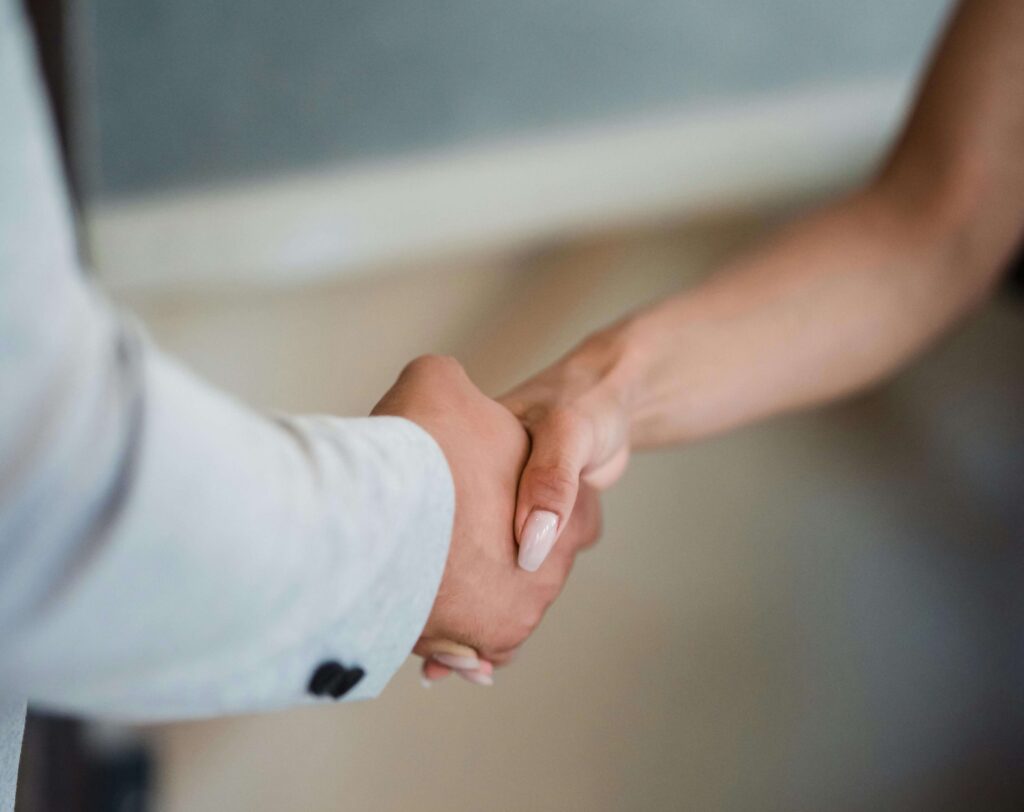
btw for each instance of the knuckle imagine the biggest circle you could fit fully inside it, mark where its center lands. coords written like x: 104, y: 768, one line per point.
x: 533, y: 615
x: 553, y: 585
x: 510, y: 635
x: 416, y: 365
x: 553, y: 483
x: 565, y: 420
x: 501, y: 658
x: 432, y: 364
x: 515, y: 631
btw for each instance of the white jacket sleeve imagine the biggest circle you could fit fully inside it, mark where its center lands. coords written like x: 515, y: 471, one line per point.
x: 164, y: 551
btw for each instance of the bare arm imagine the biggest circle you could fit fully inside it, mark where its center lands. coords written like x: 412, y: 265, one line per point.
x: 830, y: 305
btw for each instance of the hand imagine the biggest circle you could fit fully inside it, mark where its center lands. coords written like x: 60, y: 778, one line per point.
x: 484, y: 601
x: 577, y: 417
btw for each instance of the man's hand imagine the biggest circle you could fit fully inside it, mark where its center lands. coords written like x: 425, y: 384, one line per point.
x: 485, y: 601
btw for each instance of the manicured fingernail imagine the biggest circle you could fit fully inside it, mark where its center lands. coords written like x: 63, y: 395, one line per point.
x: 457, y: 661
x: 442, y: 646
x: 537, y: 540
x: 477, y: 678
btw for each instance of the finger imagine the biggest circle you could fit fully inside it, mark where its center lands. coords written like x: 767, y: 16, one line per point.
x: 432, y: 671
x: 584, y: 526
x: 500, y: 659
x: 447, y: 652
x: 503, y: 658
x: 484, y: 675
x: 606, y: 474
x: 561, y: 448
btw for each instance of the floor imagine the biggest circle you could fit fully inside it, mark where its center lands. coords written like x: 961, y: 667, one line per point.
x: 817, y: 613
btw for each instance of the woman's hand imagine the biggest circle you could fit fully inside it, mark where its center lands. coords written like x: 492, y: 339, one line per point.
x: 576, y: 413
x: 832, y: 304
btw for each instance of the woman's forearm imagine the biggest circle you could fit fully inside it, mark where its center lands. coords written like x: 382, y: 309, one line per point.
x: 828, y: 306
x: 845, y: 296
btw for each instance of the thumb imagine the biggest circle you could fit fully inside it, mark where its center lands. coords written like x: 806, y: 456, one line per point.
x: 561, y: 449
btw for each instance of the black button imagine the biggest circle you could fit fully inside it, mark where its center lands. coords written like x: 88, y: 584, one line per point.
x: 331, y: 678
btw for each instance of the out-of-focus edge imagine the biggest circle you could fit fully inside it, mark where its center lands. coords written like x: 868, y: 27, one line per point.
x: 346, y: 220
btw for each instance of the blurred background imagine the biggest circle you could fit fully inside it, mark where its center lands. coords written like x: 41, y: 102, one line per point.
x: 819, y: 613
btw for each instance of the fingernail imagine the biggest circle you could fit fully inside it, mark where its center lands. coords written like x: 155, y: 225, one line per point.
x: 442, y: 646
x: 537, y: 540
x: 477, y: 678
x: 425, y: 681
x: 457, y: 661
x: 486, y: 667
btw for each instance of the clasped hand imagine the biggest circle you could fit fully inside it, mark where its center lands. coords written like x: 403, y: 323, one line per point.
x: 504, y: 569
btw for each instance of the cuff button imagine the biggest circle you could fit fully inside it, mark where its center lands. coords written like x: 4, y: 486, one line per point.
x: 333, y: 679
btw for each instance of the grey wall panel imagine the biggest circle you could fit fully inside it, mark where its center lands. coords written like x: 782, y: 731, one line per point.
x: 200, y: 91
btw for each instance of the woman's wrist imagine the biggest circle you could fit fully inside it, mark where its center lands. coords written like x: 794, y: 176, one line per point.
x: 609, y: 361
x: 653, y: 345
x: 663, y: 366
x: 614, y: 366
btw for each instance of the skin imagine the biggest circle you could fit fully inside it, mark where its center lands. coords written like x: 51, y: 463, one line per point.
x: 828, y: 306
x: 484, y: 602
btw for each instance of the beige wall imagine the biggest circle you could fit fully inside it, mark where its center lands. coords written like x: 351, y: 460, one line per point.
x: 811, y: 614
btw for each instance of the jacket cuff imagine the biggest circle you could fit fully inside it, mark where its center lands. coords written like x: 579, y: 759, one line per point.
x: 378, y: 633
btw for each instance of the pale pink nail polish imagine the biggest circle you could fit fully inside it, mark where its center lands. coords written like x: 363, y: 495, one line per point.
x: 537, y: 540
x: 477, y: 678
x: 457, y: 661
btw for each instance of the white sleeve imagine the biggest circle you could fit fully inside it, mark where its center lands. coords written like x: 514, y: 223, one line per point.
x: 164, y: 551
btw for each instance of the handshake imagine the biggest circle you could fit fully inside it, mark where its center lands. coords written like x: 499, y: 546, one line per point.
x: 514, y: 499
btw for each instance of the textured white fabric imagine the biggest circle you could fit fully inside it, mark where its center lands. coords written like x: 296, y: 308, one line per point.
x: 164, y: 551
x: 12, y: 724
